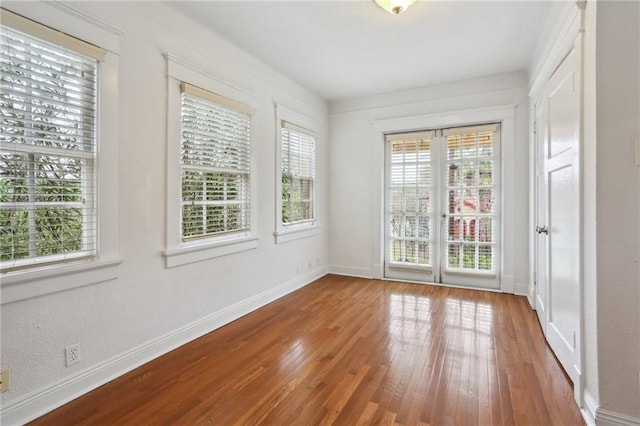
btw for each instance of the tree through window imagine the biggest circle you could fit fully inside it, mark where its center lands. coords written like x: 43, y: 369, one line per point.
x: 48, y: 122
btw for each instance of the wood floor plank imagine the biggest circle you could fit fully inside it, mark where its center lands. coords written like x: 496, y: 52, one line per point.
x: 349, y: 351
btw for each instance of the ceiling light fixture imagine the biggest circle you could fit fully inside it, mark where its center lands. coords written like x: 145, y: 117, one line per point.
x: 395, y: 7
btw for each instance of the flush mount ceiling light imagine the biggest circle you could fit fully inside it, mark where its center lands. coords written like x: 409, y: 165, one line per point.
x: 395, y: 7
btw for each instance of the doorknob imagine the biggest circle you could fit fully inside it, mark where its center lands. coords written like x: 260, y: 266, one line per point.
x: 542, y: 230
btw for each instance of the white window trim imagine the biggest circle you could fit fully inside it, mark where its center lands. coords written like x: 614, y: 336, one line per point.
x: 180, y: 252
x: 285, y: 233
x: 39, y: 281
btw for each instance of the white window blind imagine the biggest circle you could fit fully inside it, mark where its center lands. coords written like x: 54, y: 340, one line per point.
x: 215, y: 161
x: 47, y: 146
x: 298, y: 174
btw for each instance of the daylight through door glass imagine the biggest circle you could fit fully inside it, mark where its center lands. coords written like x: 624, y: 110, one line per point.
x: 410, y: 199
x: 470, y: 203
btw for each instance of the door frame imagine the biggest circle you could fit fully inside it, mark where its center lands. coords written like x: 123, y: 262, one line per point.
x: 437, y: 271
x: 505, y: 114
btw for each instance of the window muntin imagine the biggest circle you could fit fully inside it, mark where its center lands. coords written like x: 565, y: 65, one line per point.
x: 48, y: 138
x: 215, y: 166
x: 298, y: 161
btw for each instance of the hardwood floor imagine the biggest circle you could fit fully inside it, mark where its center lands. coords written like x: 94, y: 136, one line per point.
x: 350, y: 351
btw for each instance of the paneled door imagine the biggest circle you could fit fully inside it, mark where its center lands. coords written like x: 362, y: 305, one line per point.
x: 442, y: 213
x: 558, y: 289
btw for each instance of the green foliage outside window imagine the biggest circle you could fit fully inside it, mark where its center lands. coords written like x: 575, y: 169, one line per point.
x: 296, y: 199
x: 208, y: 203
x: 41, y: 195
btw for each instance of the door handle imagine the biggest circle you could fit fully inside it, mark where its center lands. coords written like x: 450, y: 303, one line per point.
x: 542, y: 230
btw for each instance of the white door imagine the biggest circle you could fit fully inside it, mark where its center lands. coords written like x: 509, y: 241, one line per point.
x: 442, y: 206
x: 561, y: 294
x: 541, y: 141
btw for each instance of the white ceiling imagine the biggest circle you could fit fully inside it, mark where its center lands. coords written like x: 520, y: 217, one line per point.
x: 347, y: 49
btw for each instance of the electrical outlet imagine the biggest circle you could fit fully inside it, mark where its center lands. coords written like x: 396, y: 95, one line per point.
x: 317, y: 262
x: 5, y: 379
x: 310, y: 265
x: 72, y: 354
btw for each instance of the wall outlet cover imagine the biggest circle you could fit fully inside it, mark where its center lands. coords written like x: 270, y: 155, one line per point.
x: 72, y: 354
x: 5, y: 379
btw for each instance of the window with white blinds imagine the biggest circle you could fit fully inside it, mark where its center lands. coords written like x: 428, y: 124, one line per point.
x: 48, y: 156
x: 215, y: 165
x: 298, y: 160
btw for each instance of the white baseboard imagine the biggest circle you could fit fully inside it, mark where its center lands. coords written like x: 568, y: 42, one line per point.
x: 594, y: 415
x: 507, y: 284
x: 589, y: 409
x: 378, y: 271
x: 350, y: 271
x: 54, y: 395
x: 611, y: 418
x: 532, y: 303
x: 521, y: 289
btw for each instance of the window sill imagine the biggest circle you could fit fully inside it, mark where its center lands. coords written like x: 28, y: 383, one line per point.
x: 26, y: 284
x: 183, y: 255
x: 296, y: 233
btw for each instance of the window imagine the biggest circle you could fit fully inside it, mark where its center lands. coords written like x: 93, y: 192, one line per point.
x: 296, y: 182
x: 211, y: 174
x: 298, y: 174
x: 53, y: 114
x: 47, y: 152
x: 216, y: 138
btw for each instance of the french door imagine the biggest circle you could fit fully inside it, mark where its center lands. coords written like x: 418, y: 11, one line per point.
x: 442, y: 214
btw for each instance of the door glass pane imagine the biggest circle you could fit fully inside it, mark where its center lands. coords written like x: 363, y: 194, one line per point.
x: 485, y: 258
x: 409, y: 189
x: 469, y: 170
x: 454, y: 147
x: 486, y: 200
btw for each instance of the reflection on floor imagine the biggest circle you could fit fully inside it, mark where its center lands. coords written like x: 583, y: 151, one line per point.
x: 351, y: 351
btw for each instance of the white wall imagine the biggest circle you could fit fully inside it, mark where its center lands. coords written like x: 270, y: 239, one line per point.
x: 148, y: 301
x: 618, y: 205
x: 356, y: 167
x: 589, y: 240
